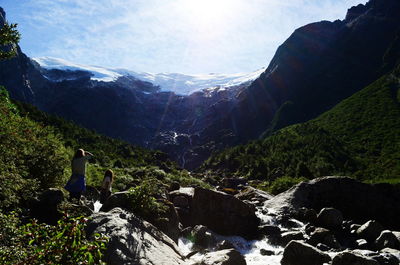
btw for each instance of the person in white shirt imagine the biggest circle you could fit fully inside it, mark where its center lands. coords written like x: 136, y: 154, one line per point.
x: 77, y: 182
x: 106, y: 185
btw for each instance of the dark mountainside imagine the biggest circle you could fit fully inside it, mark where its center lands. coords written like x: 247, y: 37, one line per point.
x: 318, y: 66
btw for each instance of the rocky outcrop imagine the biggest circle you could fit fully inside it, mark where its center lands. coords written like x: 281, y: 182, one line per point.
x: 357, y: 201
x: 299, y: 253
x: 133, y: 241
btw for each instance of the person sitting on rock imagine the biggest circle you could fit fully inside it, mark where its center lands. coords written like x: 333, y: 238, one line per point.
x: 77, y: 183
x: 106, y: 186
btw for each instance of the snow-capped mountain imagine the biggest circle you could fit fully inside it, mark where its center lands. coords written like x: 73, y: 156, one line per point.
x: 181, y: 84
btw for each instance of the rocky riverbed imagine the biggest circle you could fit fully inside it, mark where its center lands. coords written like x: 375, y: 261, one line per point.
x: 331, y: 220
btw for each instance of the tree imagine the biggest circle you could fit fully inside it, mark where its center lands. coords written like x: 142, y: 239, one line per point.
x: 9, y: 38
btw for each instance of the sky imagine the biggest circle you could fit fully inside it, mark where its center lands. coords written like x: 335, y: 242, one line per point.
x: 175, y: 36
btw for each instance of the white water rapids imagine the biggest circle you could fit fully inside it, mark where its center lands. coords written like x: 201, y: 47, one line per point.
x: 251, y: 250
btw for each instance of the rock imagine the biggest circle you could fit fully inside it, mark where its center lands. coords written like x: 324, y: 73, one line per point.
x: 356, y: 201
x: 289, y: 236
x: 270, y: 230
x: 132, y: 240
x: 202, y: 237
x: 223, y: 213
x: 309, y: 229
x: 92, y: 193
x: 350, y: 258
x: 223, y: 257
x: 386, y: 259
x: 299, y: 253
x: 361, y: 243
x: 330, y: 218
x: 181, y: 201
x: 324, y: 236
x: 266, y: 252
x: 174, y: 186
x: 252, y: 194
x: 394, y: 252
x: 370, y: 230
x: 233, y: 183
x: 323, y: 247
x: 224, y: 244
x: 387, y: 240
x: 307, y: 215
x: 168, y: 222
x: 45, y: 206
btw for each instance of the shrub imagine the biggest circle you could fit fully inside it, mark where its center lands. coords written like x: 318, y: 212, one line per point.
x: 35, y: 243
x: 284, y: 183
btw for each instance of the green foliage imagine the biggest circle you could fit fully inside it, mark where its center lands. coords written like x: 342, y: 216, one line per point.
x: 9, y: 38
x: 35, y: 243
x: 31, y: 156
x: 143, y: 202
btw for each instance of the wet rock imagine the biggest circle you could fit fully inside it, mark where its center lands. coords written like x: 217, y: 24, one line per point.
x: 224, y: 244
x: 132, y: 240
x: 266, y: 252
x: 394, y: 252
x: 299, y: 253
x: 289, y: 236
x: 223, y: 257
x: 330, y: 218
x: 387, y: 240
x: 309, y: 229
x: 347, y: 258
x: 269, y: 230
x: 323, y: 247
x: 361, y: 244
x: 202, y: 237
x: 324, y: 236
x: 386, y: 259
x: 370, y: 230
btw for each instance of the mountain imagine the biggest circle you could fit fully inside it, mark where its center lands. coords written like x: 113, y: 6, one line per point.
x: 359, y: 137
x: 317, y: 67
x: 180, y: 84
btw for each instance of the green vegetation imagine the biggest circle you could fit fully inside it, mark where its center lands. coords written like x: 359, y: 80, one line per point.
x: 360, y: 137
x: 35, y: 243
x: 9, y: 37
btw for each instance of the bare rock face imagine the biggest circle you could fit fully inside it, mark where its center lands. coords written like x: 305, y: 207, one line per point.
x: 133, y: 241
x: 370, y: 230
x: 330, y: 218
x: 299, y: 253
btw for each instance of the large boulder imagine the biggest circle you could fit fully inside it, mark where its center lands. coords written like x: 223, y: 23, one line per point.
x: 223, y: 257
x: 357, y: 201
x: 132, y: 240
x: 347, y: 258
x: 299, y: 253
x: 220, y: 212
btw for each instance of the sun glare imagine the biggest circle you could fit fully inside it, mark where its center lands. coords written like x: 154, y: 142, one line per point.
x: 209, y: 13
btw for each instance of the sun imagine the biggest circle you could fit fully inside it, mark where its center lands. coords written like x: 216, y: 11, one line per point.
x: 209, y: 13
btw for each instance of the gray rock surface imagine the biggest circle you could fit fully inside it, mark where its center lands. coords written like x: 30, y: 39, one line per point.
x: 133, y: 241
x: 387, y: 240
x: 299, y: 253
x: 370, y: 230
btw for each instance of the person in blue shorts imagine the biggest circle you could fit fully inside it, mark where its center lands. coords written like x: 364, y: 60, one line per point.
x: 77, y: 183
